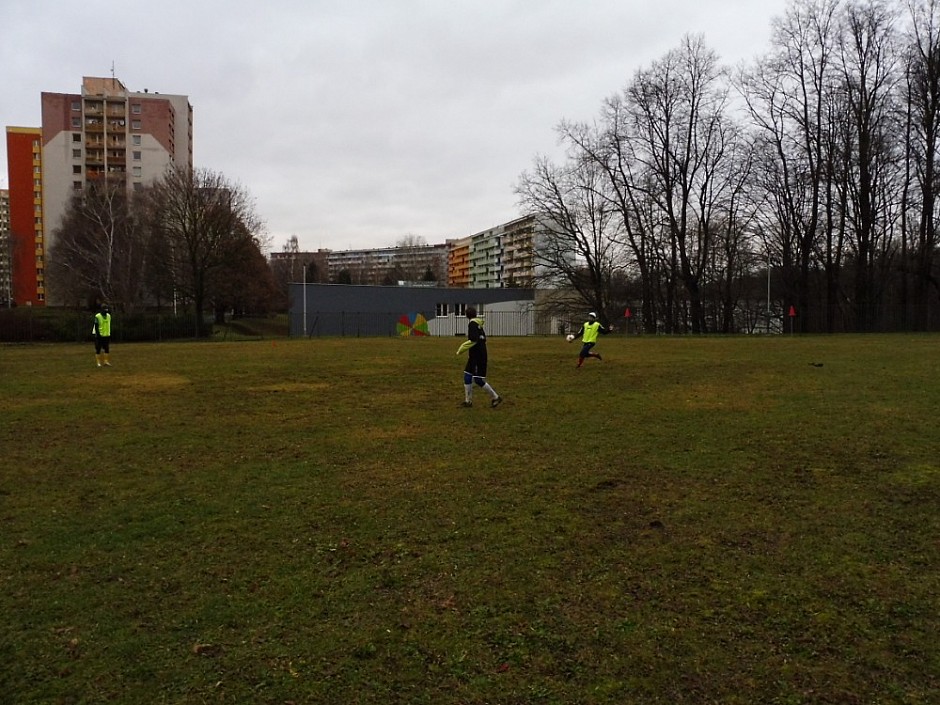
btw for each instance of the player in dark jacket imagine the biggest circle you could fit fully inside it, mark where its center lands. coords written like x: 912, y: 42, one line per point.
x: 475, y: 371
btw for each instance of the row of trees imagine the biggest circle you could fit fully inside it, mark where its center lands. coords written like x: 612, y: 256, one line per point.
x: 192, y: 240
x: 816, y: 164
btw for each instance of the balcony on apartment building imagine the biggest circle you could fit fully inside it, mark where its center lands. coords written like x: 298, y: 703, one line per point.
x: 111, y: 175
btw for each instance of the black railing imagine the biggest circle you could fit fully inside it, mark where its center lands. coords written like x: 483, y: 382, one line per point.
x: 35, y: 325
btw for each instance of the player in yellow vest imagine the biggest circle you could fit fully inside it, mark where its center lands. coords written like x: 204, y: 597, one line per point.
x: 101, y: 329
x: 589, y: 331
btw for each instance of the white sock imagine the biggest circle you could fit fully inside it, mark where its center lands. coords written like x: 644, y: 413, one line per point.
x: 468, y: 393
x: 489, y: 390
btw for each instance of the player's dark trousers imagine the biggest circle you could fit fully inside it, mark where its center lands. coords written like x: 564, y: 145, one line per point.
x: 586, y: 352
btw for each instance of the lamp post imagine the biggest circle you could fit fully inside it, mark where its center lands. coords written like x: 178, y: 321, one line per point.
x: 768, y: 291
x: 305, y: 299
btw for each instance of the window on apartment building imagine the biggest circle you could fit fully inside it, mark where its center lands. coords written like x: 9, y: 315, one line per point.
x: 136, y: 156
x: 76, y: 106
x: 76, y: 137
x: 76, y: 154
x: 76, y: 122
x: 441, y: 310
x: 137, y: 172
x: 135, y: 108
x: 135, y: 124
x: 76, y: 168
x: 76, y: 185
x: 135, y: 140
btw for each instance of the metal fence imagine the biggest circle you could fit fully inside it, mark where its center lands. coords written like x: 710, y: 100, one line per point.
x: 747, y: 321
x: 360, y: 324
x: 57, y: 325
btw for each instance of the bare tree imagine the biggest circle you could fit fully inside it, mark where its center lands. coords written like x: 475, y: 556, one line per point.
x: 867, y: 49
x: 678, y: 111
x: 578, y: 247
x: 786, y: 97
x: 99, y: 249
x: 609, y: 146
x: 668, y: 190
x: 245, y: 283
x: 648, y: 192
x: 406, y: 261
x: 411, y: 240
x: 735, y: 206
x: 198, y: 221
x: 922, y: 145
x: 290, y: 268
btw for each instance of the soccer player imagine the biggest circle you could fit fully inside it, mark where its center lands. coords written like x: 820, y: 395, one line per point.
x: 588, y: 333
x: 475, y: 371
x: 101, y: 329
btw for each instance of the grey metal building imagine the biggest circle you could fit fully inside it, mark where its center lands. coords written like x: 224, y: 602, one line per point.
x: 350, y: 310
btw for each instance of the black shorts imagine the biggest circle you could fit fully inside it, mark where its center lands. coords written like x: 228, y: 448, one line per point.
x: 476, y: 364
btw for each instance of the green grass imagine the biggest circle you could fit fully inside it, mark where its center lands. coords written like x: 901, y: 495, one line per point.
x: 694, y: 520
x: 242, y: 329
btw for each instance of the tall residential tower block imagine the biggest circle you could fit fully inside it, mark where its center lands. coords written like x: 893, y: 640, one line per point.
x: 24, y: 236
x: 105, y: 134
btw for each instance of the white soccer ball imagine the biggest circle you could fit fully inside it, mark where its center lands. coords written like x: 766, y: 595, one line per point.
x: 569, y: 337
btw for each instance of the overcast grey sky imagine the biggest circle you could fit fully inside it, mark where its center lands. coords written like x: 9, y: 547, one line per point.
x: 356, y: 123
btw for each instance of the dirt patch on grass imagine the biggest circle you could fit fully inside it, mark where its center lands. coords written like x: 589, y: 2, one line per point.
x: 289, y: 387
x: 394, y: 432
x: 152, y: 382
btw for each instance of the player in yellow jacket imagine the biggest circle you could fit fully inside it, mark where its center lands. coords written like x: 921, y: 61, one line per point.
x: 588, y: 333
x: 101, y: 329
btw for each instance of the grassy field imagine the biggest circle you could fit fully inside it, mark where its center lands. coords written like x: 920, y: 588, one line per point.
x: 708, y: 520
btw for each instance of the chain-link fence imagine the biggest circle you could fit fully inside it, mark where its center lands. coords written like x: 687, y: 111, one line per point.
x: 35, y: 325
x: 363, y: 324
x: 29, y: 325
x: 745, y: 321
